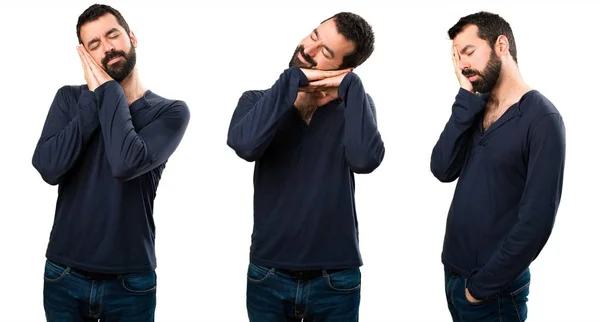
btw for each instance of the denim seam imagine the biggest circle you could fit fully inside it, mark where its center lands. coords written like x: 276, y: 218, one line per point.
x: 135, y: 291
x: 328, y: 279
x: 61, y: 274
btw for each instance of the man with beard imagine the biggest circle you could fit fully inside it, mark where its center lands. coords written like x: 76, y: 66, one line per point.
x: 308, y: 135
x: 105, y: 144
x: 505, y: 142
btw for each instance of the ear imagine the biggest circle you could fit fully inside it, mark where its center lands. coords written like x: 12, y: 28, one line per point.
x: 502, y: 46
x: 133, y: 39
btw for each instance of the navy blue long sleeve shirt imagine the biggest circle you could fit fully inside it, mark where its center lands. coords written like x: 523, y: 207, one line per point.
x: 106, y: 157
x: 508, y: 191
x: 304, y: 207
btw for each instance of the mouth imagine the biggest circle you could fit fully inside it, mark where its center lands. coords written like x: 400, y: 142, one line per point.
x: 472, y: 78
x: 301, y: 58
x: 114, y: 60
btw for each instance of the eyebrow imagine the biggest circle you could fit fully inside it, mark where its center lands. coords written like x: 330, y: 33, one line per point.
x: 464, y: 50
x: 326, y: 48
x: 91, y: 42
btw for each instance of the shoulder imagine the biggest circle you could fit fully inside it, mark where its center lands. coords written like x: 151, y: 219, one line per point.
x: 168, y: 106
x: 534, y: 102
x: 71, y: 91
x: 536, y: 106
x: 253, y: 95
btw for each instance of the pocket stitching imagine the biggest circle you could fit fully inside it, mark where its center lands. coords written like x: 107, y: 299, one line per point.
x: 122, y: 278
x: 61, y: 273
x: 260, y: 269
x: 512, y: 297
x: 344, y: 290
x: 520, y: 289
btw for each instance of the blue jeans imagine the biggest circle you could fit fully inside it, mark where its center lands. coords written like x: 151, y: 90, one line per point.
x: 274, y: 295
x: 71, y: 296
x: 509, y: 305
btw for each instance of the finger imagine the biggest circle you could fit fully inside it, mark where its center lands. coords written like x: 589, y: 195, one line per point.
x: 88, y: 66
x: 319, y: 83
x: 81, y: 58
x: 330, y: 73
x: 456, y: 55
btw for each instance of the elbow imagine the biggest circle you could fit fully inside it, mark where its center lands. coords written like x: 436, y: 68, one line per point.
x: 49, y: 175
x: 366, y: 163
x: 52, y: 180
x: 123, y: 173
x: 442, y: 172
x: 443, y: 175
x: 244, y: 151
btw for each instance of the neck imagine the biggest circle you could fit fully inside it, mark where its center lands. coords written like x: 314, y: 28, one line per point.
x: 133, y: 87
x: 511, y: 86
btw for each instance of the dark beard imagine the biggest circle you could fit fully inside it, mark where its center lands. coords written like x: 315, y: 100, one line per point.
x: 296, y: 62
x: 488, y: 79
x: 121, y: 69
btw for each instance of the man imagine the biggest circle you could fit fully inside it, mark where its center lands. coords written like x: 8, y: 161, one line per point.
x: 308, y: 135
x: 105, y: 144
x: 505, y: 142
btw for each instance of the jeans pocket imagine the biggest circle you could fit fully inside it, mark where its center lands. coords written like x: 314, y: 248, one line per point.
x: 463, y: 291
x: 139, y: 283
x: 519, y: 301
x: 258, y: 274
x: 345, y: 281
x: 54, y: 272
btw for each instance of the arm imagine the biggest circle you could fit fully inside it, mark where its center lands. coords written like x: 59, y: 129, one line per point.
x: 537, y: 211
x: 132, y: 153
x: 64, y: 138
x: 362, y: 141
x: 450, y: 150
x: 254, y: 121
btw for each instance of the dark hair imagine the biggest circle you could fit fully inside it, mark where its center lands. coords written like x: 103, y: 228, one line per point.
x: 490, y: 25
x: 96, y: 11
x: 355, y: 29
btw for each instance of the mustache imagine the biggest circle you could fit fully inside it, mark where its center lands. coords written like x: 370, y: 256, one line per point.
x: 470, y: 72
x: 305, y: 56
x: 113, y: 54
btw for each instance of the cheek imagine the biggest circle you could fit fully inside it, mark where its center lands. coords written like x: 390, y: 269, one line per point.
x: 326, y: 64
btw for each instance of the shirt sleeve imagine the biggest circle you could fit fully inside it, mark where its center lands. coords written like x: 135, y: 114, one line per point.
x: 64, y: 137
x: 363, y: 145
x: 130, y: 152
x: 537, y: 211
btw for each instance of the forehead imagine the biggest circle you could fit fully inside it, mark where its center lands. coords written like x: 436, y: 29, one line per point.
x: 99, y: 27
x: 331, y: 38
x: 468, y: 36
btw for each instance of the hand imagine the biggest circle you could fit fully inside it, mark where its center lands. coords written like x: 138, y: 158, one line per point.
x: 326, y: 95
x: 93, y: 73
x: 310, y: 100
x: 329, y: 82
x: 470, y: 298
x: 462, y: 79
x: 315, y: 74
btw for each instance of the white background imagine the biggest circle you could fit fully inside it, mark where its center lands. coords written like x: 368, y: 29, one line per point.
x: 207, y: 56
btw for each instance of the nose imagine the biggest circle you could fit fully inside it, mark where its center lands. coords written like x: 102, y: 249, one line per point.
x: 312, y: 49
x: 107, y: 47
x: 462, y: 63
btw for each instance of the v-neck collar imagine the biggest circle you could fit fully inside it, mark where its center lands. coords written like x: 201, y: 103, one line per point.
x: 513, y: 111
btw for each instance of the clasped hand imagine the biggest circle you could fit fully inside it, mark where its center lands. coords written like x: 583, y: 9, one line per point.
x: 323, y: 84
x: 93, y: 73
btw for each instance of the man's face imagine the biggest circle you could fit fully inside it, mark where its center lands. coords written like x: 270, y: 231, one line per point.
x: 478, y: 61
x: 110, y: 46
x: 323, y: 49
